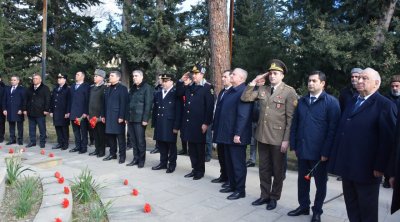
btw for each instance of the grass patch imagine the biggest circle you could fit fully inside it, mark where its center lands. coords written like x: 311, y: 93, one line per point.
x: 14, y: 169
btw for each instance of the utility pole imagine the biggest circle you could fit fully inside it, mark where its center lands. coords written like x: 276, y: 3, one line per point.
x: 44, y: 39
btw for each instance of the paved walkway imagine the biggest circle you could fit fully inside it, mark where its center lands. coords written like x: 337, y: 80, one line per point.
x: 175, y: 198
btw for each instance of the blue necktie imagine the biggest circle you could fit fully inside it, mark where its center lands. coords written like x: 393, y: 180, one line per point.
x: 312, y: 99
x: 360, y: 100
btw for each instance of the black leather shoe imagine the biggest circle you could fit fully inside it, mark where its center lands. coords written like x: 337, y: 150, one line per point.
x: 260, y: 201
x: 11, y: 142
x: 110, y: 157
x: 82, y: 151
x: 271, y: 205
x: 159, y: 167
x: 197, y: 177
x: 121, y: 160
x: 155, y: 150
x: 93, y: 153
x: 218, y: 180
x: 64, y: 147
x: 182, y: 152
x: 58, y: 146
x: 226, y: 190
x: 236, y: 195
x: 30, y: 145
x: 191, y: 174
x: 299, y: 211
x: 100, y: 155
x: 225, y: 185
x: 140, y: 165
x: 20, y: 143
x: 250, y: 164
x: 133, y: 163
x: 74, y: 150
x: 316, y: 218
x: 170, y: 170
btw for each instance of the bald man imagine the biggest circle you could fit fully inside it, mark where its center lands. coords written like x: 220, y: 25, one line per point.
x: 363, y: 144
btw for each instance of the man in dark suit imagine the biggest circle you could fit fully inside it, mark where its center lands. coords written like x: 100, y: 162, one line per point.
x: 167, y: 108
x: 362, y: 147
x: 226, y: 82
x: 197, y: 116
x: 2, y: 116
x: 13, y: 106
x: 37, y: 108
x: 115, y: 115
x: 233, y: 132
x: 350, y: 91
x: 311, y: 137
x: 59, y: 110
x: 79, y: 110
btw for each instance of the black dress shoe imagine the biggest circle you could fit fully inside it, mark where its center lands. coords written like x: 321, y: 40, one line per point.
x: 170, y: 169
x: 93, y: 153
x: 226, y: 190
x: 110, y: 157
x: 74, y: 150
x: 197, y: 177
x: 30, y: 145
x: 159, y: 167
x: 225, y: 185
x: 121, y: 160
x: 271, y: 205
x: 58, y: 146
x: 182, y: 152
x: 11, y: 142
x: 20, y: 143
x: 260, y: 201
x: 155, y: 150
x: 191, y: 174
x: 218, y: 180
x: 299, y: 211
x: 140, y: 165
x: 82, y: 151
x: 316, y: 218
x: 236, y: 195
x: 133, y: 163
x: 250, y: 164
x: 100, y: 154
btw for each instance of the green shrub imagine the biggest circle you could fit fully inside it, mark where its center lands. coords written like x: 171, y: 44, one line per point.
x: 98, y: 211
x: 27, y: 196
x: 14, y: 169
x: 84, y: 187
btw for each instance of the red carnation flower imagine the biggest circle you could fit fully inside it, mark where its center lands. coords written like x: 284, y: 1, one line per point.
x: 66, y: 190
x: 61, y: 180
x: 57, y: 174
x: 135, y: 192
x: 1, y: 147
x: 125, y: 182
x: 58, y: 219
x: 51, y: 154
x: 65, y: 203
x: 147, y: 208
x: 11, y: 150
x: 307, y: 177
x: 77, y: 121
x: 42, y: 152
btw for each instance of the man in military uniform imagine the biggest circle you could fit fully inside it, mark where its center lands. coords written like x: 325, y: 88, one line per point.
x: 59, y: 110
x: 167, y: 108
x: 277, y: 105
x: 197, y: 116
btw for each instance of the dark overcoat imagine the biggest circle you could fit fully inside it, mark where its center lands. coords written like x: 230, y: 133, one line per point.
x: 115, y: 107
x: 59, y: 105
x: 12, y: 102
x: 79, y: 100
x: 38, y: 101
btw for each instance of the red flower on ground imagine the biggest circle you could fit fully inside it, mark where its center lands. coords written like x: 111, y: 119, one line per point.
x: 1, y: 147
x: 65, y: 203
x: 58, y: 219
x: 57, y: 174
x: 135, y: 192
x: 42, y: 152
x: 61, y: 180
x: 51, y: 154
x: 66, y: 190
x: 11, y: 150
x: 147, y: 208
x: 125, y: 182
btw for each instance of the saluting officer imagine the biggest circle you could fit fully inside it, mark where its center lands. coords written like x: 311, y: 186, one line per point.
x: 277, y: 105
x: 167, y: 108
x: 59, y: 110
x: 197, y: 116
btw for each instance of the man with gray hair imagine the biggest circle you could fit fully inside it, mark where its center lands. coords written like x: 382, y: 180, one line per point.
x: 232, y: 131
x: 362, y: 147
x: 349, y: 91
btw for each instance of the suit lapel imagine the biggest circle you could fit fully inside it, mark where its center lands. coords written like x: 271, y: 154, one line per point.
x: 369, y: 102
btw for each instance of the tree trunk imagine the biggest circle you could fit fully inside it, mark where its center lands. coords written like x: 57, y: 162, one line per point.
x: 2, y: 62
x: 126, y: 28
x: 383, y: 25
x: 219, y: 40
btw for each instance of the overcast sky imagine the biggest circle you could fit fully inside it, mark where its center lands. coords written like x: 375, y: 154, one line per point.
x: 109, y: 7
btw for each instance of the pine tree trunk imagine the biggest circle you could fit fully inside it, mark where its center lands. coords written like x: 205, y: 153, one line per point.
x: 384, y: 23
x: 219, y: 40
x: 126, y: 24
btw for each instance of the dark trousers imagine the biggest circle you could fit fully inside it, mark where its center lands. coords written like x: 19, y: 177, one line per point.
x: 271, y: 164
x: 20, y: 128
x: 99, y: 138
x: 91, y: 134
x: 138, y: 140
x: 41, y: 123
x: 197, y: 152
x: 221, y: 160
x: 80, y: 134
x: 2, y: 126
x: 361, y: 200
x: 62, y: 135
x: 167, y: 153
x: 235, y: 159
x: 184, y: 146
x: 112, y: 141
x: 320, y: 175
